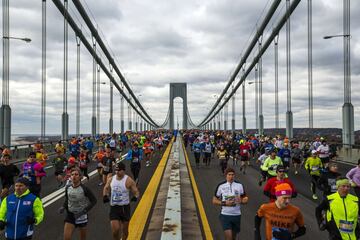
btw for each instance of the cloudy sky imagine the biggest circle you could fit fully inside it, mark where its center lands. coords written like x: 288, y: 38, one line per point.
x: 198, y: 42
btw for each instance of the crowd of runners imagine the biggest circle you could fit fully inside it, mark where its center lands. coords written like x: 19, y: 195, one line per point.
x: 275, y: 157
x: 21, y: 207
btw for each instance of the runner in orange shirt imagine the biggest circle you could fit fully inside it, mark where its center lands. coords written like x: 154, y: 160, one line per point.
x: 99, y: 158
x: 148, y: 149
x: 280, y: 217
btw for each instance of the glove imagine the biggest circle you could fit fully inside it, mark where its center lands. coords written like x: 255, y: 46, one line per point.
x: 270, y: 168
x: 282, y: 234
x: 106, y: 199
x: 30, y: 220
x: 2, y: 225
x: 134, y: 199
x: 79, y: 214
x: 61, y: 210
x: 322, y: 226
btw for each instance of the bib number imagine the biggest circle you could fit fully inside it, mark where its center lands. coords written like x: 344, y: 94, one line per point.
x: 81, y: 219
x: 346, y: 226
x: 314, y: 168
x: 117, y: 197
x: 135, y: 160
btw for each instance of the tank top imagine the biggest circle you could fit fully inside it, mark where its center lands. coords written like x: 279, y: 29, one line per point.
x: 119, y: 192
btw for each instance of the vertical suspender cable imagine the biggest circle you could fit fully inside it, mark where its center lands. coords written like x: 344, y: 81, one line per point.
x: 122, y: 110
x: 257, y: 97
x: 243, y: 103
x: 65, y: 117
x: 233, y: 112
x: 289, y: 115
x: 261, y: 117
x: 111, y: 130
x: 98, y: 100
x: 93, y: 119
x: 310, y: 72
x: 77, y: 85
x: 276, y: 54
x: 43, y: 72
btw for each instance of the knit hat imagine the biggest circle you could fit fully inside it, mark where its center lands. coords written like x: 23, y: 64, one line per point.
x: 23, y: 180
x: 283, y: 189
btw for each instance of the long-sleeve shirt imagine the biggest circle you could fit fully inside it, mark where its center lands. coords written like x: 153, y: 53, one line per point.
x: 354, y: 175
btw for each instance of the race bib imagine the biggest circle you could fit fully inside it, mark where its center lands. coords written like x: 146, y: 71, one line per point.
x: 81, y: 219
x: 106, y: 168
x: 346, y: 226
x: 117, y: 197
x: 135, y: 160
x: 286, y: 159
x: 314, y: 168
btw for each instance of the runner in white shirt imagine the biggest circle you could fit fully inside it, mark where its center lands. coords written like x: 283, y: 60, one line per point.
x: 120, y: 186
x: 229, y: 195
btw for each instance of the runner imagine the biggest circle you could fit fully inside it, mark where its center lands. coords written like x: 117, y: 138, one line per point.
x: 323, y: 151
x: 285, y: 155
x: 7, y: 173
x: 244, y: 155
x: 229, y: 194
x: 59, y: 147
x: 148, y: 150
x: 221, y: 154
x: 33, y: 171
x: 83, y: 162
x: 269, y: 189
x: 20, y: 211
x: 59, y: 165
x: 197, y: 148
x: 119, y: 187
x: 297, y: 157
x: 313, y: 165
x: 280, y: 217
x: 261, y: 161
x: 342, y: 212
x: 207, y: 152
x: 327, y: 181
x: 134, y: 155
x: 78, y: 201
x: 108, y: 162
x: 354, y: 176
x: 271, y: 164
x: 98, y: 157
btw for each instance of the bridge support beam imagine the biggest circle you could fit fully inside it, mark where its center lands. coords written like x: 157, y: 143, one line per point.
x: 5, y: 125
x: 178, y: 90
x: 289, y: 124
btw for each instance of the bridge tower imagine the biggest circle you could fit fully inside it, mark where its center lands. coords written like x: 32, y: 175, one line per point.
x: 178, y: 90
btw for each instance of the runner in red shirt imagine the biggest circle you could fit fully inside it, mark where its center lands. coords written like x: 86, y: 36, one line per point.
x: 244, y: 155
x: 269, y: 189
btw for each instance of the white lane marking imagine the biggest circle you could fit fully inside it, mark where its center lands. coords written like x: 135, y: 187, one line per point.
x: 53, y: 197
x: 172, y: 216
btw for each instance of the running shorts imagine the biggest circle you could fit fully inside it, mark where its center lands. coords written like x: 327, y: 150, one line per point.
x: 230, y: 222
x: 120, y: 213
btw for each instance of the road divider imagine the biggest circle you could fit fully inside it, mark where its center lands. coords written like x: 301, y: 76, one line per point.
x: 142, y: 211
x: 198, y: 200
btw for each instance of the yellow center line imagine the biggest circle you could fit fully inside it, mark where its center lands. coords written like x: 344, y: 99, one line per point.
x: 199, y: 203
x: 142, y: 211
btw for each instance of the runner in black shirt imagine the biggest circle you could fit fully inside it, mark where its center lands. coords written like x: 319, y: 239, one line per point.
x: 7, y: 173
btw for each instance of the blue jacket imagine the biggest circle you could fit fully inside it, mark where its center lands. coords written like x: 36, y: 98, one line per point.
x: 129, y: 155
x: 16, y: 209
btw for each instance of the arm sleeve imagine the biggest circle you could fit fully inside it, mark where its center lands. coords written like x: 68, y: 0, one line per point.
x: 3, y: 209
x: 300, y: 232
x: 65, y: 205
x: 350, y: 174
x: 38, y: 211
x: 324, y: 205
x: 91, y: 198
x: 257, y: 222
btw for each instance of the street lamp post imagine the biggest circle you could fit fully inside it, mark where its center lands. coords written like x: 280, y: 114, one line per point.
x: 5, y: 110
